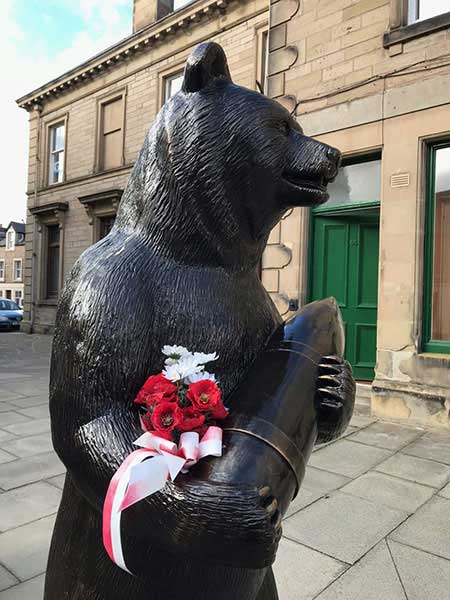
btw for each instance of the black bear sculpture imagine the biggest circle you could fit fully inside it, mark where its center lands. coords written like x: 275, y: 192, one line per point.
x: 217, y: 170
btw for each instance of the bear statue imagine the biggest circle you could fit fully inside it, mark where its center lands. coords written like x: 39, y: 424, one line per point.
x: 218, y: 169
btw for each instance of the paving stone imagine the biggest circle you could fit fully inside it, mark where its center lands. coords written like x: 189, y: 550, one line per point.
x: 9, y: 396
x: 433, y: 447
x: 445, y: 491
x: 428, y: 529
x: 361, y: 420
x: 27, y: 504
x: 57, y: 481
x: 301, y: 573
x: 6, y: 457
x: 11, y: 417
x: 29, y: 401
x: 7, y: 407
x: 24, y: 550
x: 5, y: 436
x: 373, y: 578
x: 30, y: 590
x: 28, y: 470
x: 31, y: 427
x: 386, y: 435
x: 36, y: 412
x: 416, y: 469
x: 28, y: 446
x: 342, y: 526
x: 348, y: 458
x: 317, y: 483
x: 423, y: 575
x: 7, y: 579
x: 29, y: 387
x: 390, y: 491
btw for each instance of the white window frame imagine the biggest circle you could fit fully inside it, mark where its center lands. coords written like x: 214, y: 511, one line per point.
x: 167, y: 81
x: 10, y: 239
x: 17, y: 261
x: 18, y: 299
x: 414, y: 12
x: 2, y: 269
x: 51, y: 152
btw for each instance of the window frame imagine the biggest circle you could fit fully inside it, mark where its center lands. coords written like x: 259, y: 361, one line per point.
x: 19, y: 304
x: 15, y: 261
x: 166, y: 80
x: 2, y: 269
x: 45, y: 145
x: 402, y: 30
x: 428, y: 344
x: 9, y: 233
x: 102, y: 101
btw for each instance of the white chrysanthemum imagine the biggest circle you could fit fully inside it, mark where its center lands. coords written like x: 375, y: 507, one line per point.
x: 175, y: 351
x: 203, y: 358
x: 183, y: 368
x: 200, y: 377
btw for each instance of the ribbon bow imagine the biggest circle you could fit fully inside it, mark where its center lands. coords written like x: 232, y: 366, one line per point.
x: 137, y: 477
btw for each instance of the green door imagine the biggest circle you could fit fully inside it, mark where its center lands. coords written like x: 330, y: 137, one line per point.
x: 345, y: 265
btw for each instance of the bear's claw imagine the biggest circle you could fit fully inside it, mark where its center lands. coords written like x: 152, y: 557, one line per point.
x: 335, y: 397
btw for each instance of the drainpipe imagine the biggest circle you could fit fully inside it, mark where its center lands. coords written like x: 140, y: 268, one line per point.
x: 37, y: 174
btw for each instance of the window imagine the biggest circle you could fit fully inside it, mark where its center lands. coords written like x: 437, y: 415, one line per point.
x: 437, y: 252
x: 52, y: 272
x: 2, y: 270
x: 18, y: 270
x: 358, y: 184
x: 111, y: 134
x: 165, y: 7
x: 56, y: 153
x: 419, y: 10
x: 18, y: 298
x: 263, y: 61
x: 105, y: 226
x: 10, y: 239
x: 172, y: 85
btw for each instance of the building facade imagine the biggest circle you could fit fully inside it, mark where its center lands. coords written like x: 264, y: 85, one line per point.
x: 372, y: 77
x: 87, y: 127
x: 12, y: 260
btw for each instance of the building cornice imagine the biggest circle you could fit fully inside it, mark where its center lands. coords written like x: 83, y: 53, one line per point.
x: 141, y: 41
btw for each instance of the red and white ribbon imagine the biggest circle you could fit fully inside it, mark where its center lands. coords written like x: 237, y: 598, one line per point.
x: 139, y: 477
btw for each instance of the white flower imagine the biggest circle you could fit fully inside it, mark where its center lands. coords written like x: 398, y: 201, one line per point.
x: 185, y: 367
x: 175, y: 352
x: 200, y: 377
x: 203, y: 358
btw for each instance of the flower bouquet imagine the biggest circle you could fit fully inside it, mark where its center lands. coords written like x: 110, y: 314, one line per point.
x: 184, y: 397
x: 180, y: 408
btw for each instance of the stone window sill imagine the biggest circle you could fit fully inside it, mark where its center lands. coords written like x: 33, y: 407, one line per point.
x: 415, y: 30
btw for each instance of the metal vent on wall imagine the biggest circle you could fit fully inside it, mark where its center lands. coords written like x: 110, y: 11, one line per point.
x: 400, y: 180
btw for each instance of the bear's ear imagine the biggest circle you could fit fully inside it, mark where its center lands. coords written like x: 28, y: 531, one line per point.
x: 206, y: 63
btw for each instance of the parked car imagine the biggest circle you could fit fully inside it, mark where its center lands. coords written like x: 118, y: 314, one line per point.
x: 10, y: 315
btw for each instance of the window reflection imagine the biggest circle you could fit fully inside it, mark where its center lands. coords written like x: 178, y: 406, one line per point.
x: 356, y: 184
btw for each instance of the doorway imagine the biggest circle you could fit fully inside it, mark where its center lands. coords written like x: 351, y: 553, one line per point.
x: 344, y: 264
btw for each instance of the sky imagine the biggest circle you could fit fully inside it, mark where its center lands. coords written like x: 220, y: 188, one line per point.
x: 40, y: 40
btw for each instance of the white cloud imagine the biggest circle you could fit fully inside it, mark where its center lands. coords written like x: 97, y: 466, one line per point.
x: 27, y: 67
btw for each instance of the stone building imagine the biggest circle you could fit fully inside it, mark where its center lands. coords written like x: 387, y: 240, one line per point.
x: 87, y: 126
x: 12, y: 259
x: 372, y: 77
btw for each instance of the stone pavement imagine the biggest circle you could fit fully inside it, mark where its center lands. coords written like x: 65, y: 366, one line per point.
x: 372, y: 521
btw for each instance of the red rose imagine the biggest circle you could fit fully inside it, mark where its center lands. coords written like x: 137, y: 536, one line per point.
x: 204, y: 395
x: 164, y: 417
x: 189, y: 419
x: 155, y: 390
x: 219, y: 411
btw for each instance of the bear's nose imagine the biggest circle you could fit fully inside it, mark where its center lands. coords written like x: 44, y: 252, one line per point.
x: 334, y: 160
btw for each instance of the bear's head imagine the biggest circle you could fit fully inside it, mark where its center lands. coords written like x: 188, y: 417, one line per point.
x: 220, y: 166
